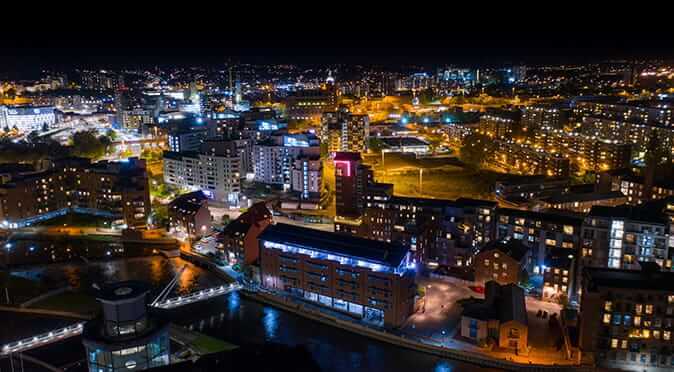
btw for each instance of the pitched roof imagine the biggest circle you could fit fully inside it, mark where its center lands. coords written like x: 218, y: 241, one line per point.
x: 511, y: 247
x: 503, y: 302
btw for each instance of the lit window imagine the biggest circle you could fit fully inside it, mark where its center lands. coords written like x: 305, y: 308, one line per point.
x: 608, y: 305
x: 614, y: 343
x: 607, y: 318
x: 637, y: 320
x: 638, y: 308
x: 649, y: 309
x: 666, y: 335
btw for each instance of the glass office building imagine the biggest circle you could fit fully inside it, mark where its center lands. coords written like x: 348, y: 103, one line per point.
x: 126, y: 337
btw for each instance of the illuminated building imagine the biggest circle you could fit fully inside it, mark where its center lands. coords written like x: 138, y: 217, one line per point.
x: 621, y: 237
x: 502, y: 261
x: 352, y: 178
x: 273, y: 158
x: 184, y: 139
x: 405, y: 144
x: 583, y: 202
x: 543, y: 234
x: 216, y: 172
x: 627, y: 318
x: 28, y: 118
x: 307, y: 177
x: 101, y: 80
x: 446, y: 232
x: 501, y: 315
x: 239, y: 238
x: 127, y: 336
x: 189, y: 214
x: 500, y: 124
x: 559, y: 275
x: 530, y: 160
x: 367, y: 279
x: 545, y: 117
x: 344, y: 131
x: 310, y: 104
x: 114, y: 189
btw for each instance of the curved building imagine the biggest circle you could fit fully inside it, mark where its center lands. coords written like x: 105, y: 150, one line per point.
x: 126, y: 337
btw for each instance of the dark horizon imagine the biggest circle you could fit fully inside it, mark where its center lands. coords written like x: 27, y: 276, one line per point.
x: 212, y: 49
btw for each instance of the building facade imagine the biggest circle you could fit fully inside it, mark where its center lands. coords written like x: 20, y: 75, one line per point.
x: 369, y: 280
x: 627, y: 318
x: 115, y: 189
x: 189, y: 214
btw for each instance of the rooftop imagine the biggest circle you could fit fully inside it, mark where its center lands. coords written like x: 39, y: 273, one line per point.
x: 557, y: 217
x: 372, y: 250
x: 648, y: 277
x: 511, y: 247
x: 505, y: 303
x: 123, y: 290
x: 635, y: 213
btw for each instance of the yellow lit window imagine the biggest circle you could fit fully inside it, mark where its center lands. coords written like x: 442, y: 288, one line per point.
x: 649, y: 309
x: 637, y: 320
x: 623, y: 344
x: 608, y: 305
x: 614, y: 343
x: 656, y: 335
x: 646, y: 333
x: 607, y: 318
x: 638, y: 308
x: 666, y: 335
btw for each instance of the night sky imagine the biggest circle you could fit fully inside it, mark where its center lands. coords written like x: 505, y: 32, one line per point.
x: 414, y: 46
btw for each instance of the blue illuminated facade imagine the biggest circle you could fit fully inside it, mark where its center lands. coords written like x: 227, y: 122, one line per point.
x: 370, y: 280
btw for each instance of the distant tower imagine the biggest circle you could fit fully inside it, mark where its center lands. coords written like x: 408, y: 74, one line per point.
x: 237, y: 90
x: 330, y: 80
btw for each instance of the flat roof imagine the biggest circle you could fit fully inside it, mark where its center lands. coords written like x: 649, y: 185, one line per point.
x: 556, y: 217
x: 645, y: 213
x: 402, y: 141
x: 389, y: 254
x: 630, y: 279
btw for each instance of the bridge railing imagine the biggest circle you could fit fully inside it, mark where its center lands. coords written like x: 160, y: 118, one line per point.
x: 42, y: 339
x: 198, y: 296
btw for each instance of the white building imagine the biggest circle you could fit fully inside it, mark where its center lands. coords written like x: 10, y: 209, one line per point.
x: 273, y: 159
x: 216, y: 175
x: 307, y: 177
x: 27, y: 118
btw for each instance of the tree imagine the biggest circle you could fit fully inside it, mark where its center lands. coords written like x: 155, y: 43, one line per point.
x: 111, y: 134
x: 86, y: 144
x: 476, y: 149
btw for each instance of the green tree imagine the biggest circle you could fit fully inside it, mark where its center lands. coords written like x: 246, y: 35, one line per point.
x: 87, y: 145
x: 111, y: 134
x: 476, y: 149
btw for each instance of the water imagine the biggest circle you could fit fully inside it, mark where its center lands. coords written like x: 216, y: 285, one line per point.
x: 242, y: 321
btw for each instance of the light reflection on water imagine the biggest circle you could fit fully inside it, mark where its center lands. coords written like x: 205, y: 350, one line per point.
x: 239, y: 320
x: 270, y: 322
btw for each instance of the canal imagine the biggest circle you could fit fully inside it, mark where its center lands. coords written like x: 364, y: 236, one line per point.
x: 242, y: 321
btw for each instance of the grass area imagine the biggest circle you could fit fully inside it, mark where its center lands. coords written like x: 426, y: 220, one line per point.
x: 77, y: 219
x: 442, y: 183
x: 69, y: 301
x: 20, y: 289
x: 206, y: 345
